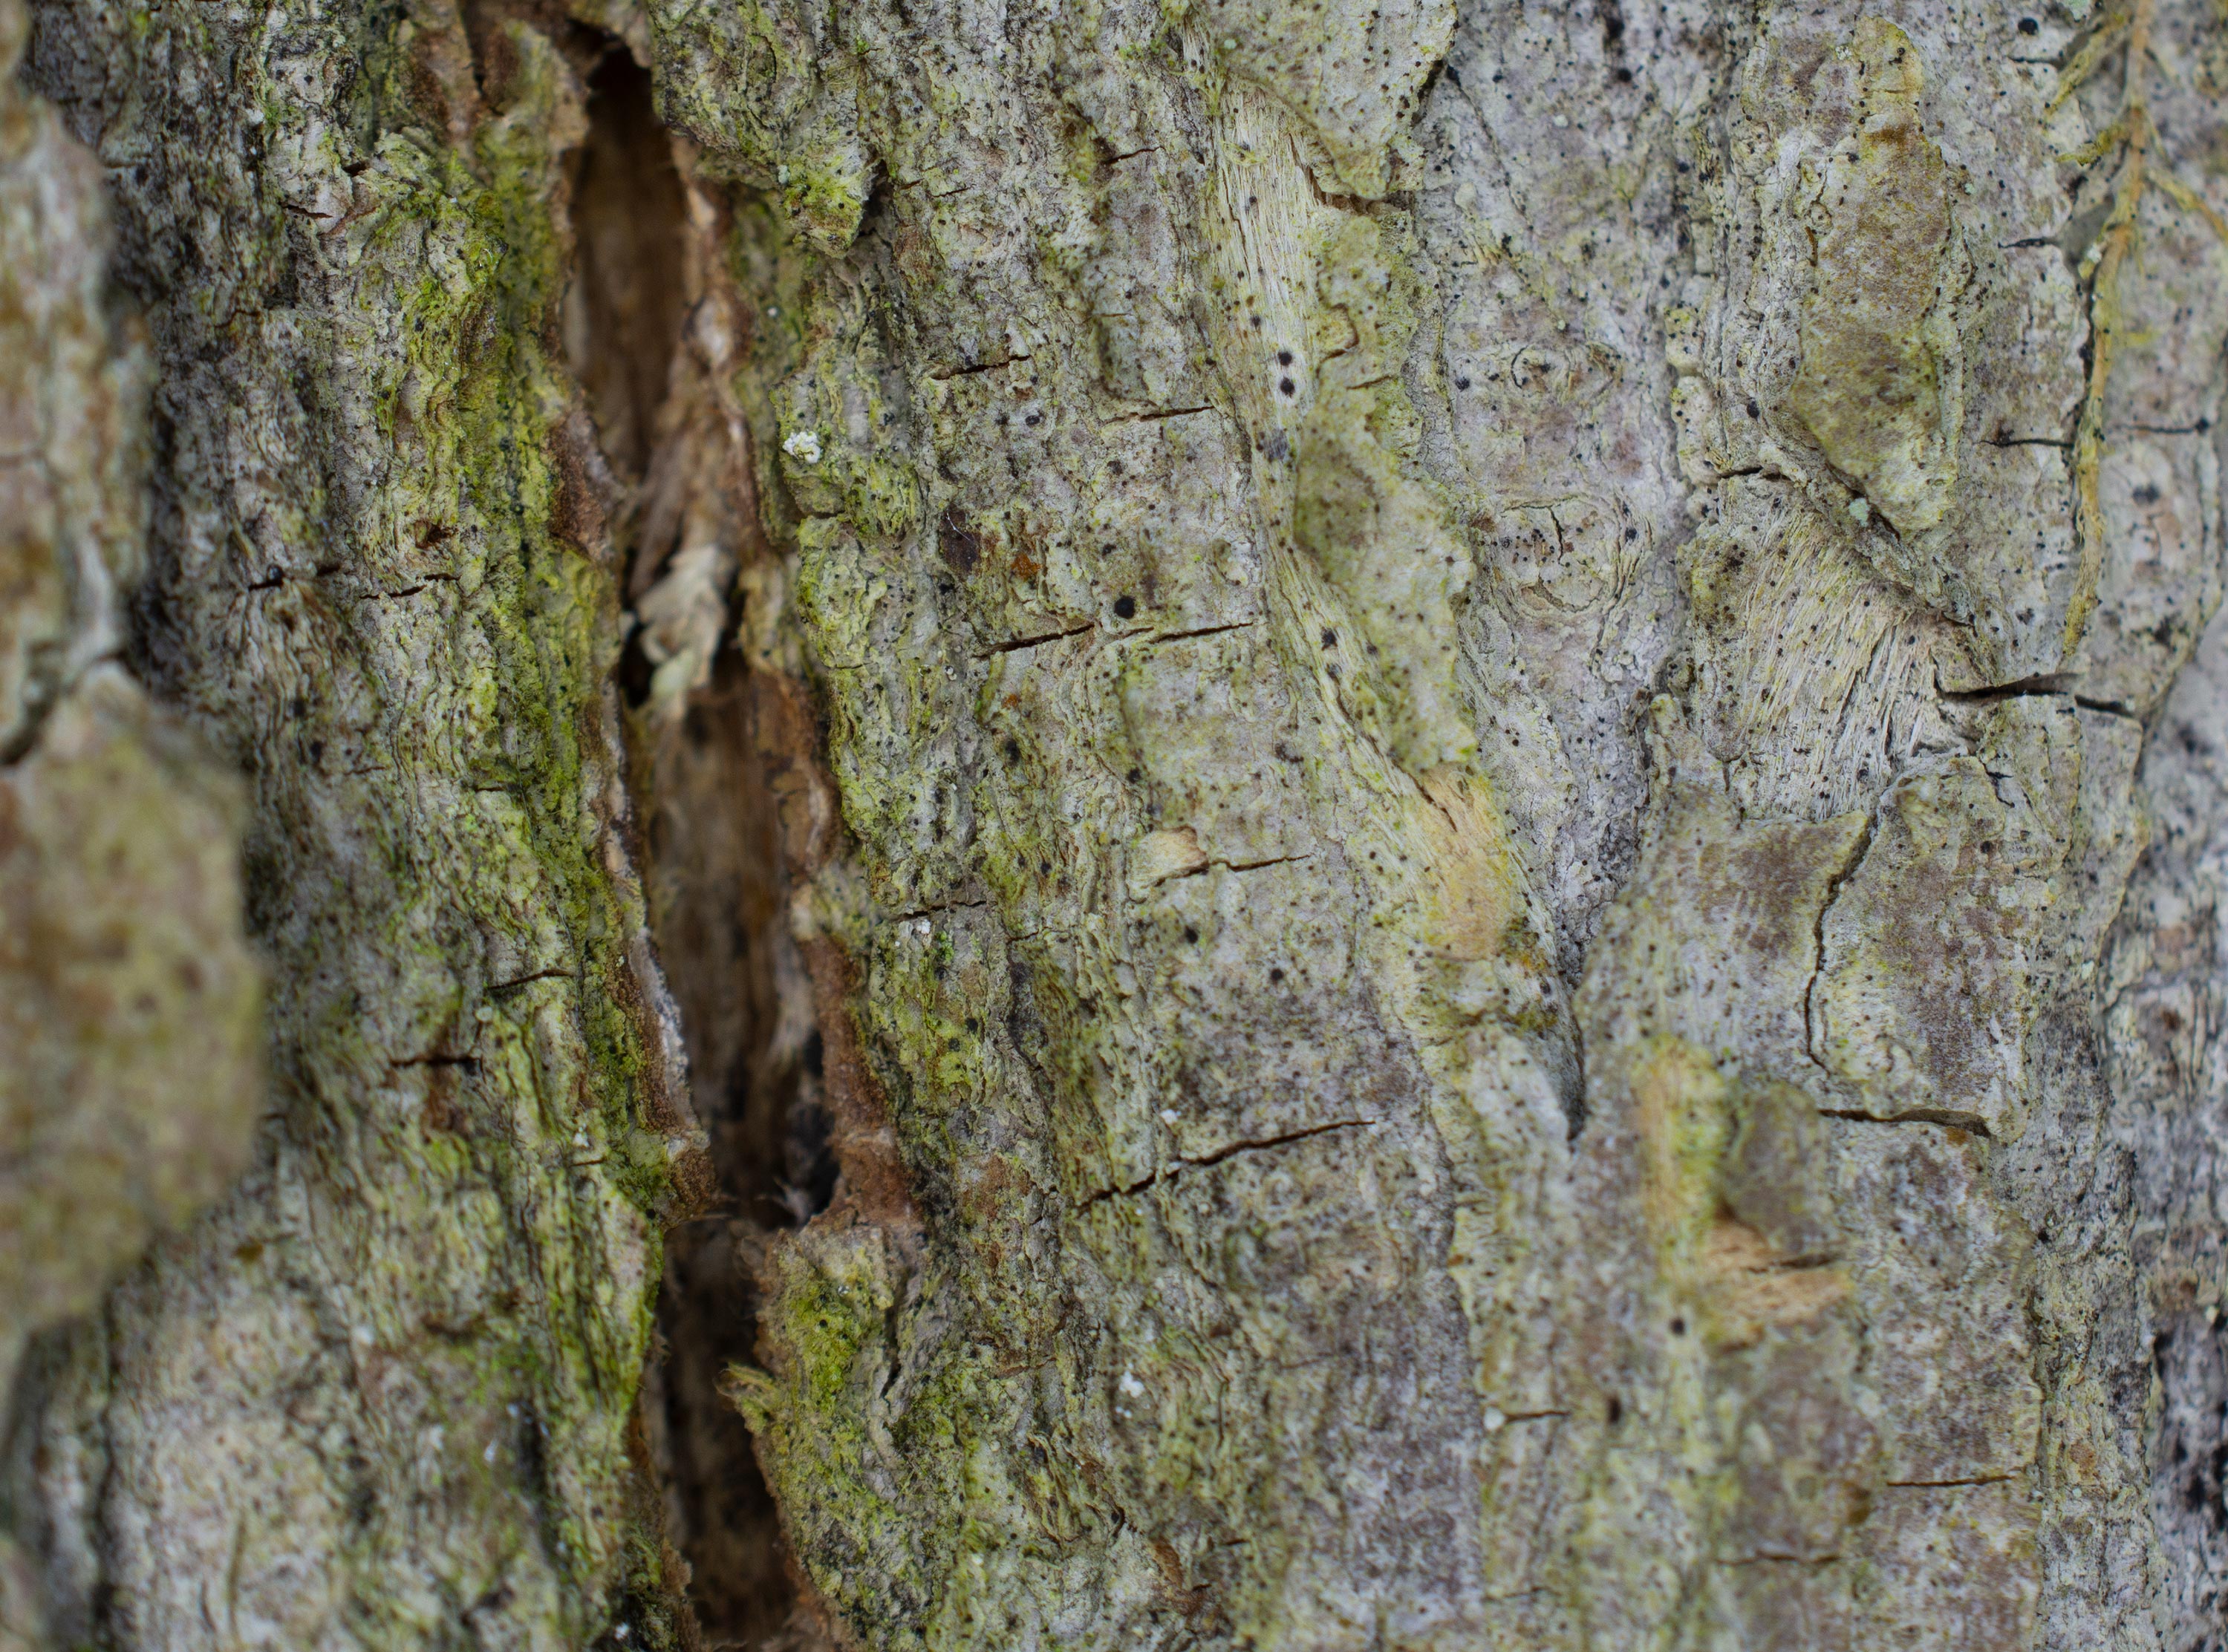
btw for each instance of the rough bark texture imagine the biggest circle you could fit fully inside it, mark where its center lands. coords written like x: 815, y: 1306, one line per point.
x: 1451, y: 747
x: 382, y: 1395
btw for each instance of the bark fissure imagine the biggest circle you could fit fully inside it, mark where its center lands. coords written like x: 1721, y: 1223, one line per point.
x: 1182, y: 1161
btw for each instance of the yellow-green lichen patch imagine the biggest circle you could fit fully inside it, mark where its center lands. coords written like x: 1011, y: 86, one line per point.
x: 386, y: 592
x: 1882, y: 381
x: 869, y: 1405
x: 771, y: 92
x: 842, y: 446
x: 1380, y: 537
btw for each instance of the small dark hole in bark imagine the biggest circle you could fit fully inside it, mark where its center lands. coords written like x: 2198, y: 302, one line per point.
x: 959, y: 544
x: 809, y: 1158
x: 635, y: 671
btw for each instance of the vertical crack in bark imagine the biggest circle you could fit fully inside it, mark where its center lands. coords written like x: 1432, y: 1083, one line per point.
x: 719, y: 908
x: 1833, y: 887
x: 647, y: 336
x: 623, y: 312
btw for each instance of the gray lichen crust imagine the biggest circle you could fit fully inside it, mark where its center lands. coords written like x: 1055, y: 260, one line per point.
x: 1267, y: 507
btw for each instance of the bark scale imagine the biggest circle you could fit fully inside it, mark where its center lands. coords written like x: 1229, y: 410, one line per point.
x: 1425, y: 727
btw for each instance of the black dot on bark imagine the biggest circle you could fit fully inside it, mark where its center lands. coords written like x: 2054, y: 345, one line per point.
x: 1285, y: 386
x: 1190, y: 934
x: 1125, y: 607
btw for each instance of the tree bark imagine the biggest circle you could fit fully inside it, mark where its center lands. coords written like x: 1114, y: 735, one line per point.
x: 1434, y: 792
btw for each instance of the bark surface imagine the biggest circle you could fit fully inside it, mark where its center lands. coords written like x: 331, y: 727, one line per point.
x: 1435, y: 791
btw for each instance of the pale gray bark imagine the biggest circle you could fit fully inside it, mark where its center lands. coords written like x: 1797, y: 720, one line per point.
x: 1455, y: 743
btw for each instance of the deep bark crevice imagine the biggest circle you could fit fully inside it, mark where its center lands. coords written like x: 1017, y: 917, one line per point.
x: 711, y: 852
x: 623, y: 313
x: 718, y: 907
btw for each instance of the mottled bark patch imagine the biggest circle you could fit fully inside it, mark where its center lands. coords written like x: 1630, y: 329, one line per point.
x: 1881, y: 385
